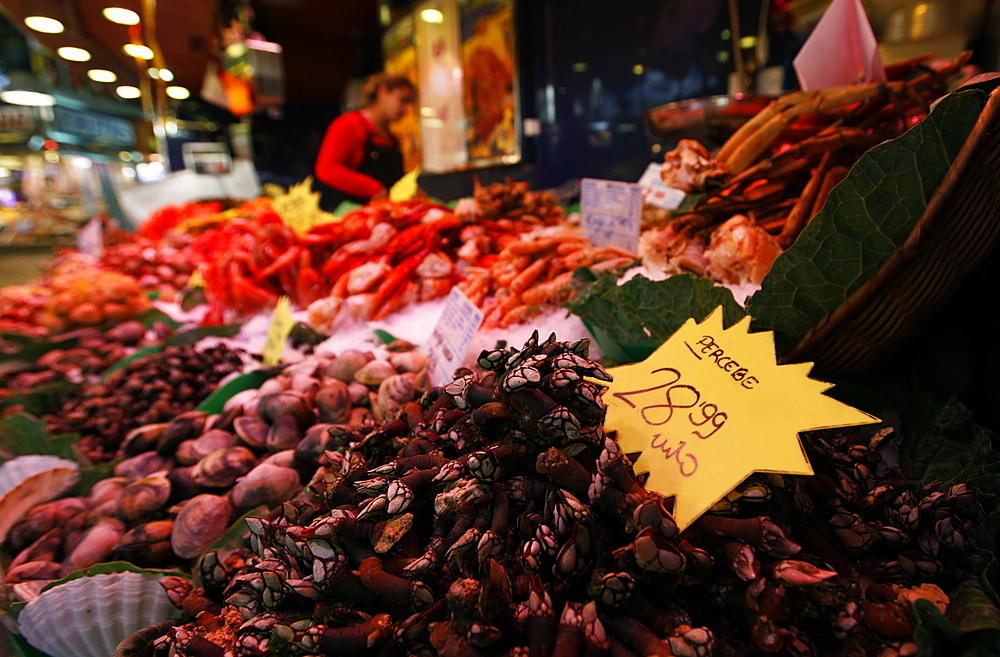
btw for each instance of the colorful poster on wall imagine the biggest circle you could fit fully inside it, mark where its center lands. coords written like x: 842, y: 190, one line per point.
x: 490, y: 82
x: 401, y: 57
x: 442, y: 115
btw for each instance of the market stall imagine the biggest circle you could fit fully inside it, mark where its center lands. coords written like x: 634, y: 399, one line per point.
x: 498, y: 425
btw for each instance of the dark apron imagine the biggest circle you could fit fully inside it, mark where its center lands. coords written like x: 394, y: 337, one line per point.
x: 383, y: 163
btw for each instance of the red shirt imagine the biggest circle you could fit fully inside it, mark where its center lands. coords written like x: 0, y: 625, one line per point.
x: 343, y: 150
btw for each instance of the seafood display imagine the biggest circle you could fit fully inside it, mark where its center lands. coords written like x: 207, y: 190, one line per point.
x: 534, y: 271
x: 160, y: 265
x: 495, y: 516
x: 774, y: 174
x: 177, y: 485
x: 150, y: 389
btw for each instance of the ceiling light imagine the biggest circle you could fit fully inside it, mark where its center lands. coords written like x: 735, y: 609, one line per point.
x: 32, y: 98
x: 166, y: 75
x: 101, y: 75
x: 135, y: 50
x: 44, y: 24
x: 126, y: 91
x: 153, y: 72
x: 73, y: 54
x: 431, y: 16
x: 121, y: 15
x: 178, y: 93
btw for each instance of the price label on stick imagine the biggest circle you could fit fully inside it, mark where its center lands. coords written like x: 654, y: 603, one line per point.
x: 277, y: 334
x: 611, y: 213
x: 655, y: 192
x: 452, y: 336
x: 712, y: 406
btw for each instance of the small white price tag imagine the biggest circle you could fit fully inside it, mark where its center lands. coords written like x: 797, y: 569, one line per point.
x: 654, y: 192
x: 611, y: 213
x: 452, y: 336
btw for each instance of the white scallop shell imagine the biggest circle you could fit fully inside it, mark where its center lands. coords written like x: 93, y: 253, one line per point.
x: 89, y: 617
x: 29, y: 480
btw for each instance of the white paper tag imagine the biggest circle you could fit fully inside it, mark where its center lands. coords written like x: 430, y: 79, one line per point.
x: 655, y: 192
x: 452, y: 335
x: 611, y: 213
x: 90, y: 239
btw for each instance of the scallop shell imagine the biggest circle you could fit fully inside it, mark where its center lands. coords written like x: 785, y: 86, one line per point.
x: 89, y: 617
x: 30, y: 480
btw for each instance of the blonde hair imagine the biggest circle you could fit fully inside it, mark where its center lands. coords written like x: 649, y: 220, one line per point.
x: 387, y: 81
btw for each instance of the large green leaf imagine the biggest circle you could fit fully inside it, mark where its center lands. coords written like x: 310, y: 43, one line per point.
x: 142, y: 352
x: 943, y: 444
x: 194, y: 335
x: 865, y: 218
x: 251, y: 380
x: 44, y: 399
x: 631, y: 320
x: 971, y: 628
x: 23, y: 434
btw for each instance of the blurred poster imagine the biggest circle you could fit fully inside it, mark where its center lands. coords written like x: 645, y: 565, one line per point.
x: 442, y: 117
x: 490, y: 87
x: 401, y: 57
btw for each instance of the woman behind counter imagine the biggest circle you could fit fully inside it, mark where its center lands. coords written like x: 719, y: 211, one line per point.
x: 360, y: 159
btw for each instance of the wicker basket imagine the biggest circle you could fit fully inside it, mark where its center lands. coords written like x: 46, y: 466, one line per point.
x: 957, y: 231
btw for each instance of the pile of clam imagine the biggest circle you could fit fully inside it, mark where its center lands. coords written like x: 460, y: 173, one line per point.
x: 495, y: 517
x: 178, y: 485
x: 153, y: 388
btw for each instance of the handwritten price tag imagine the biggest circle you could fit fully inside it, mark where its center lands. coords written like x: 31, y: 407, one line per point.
x: 277, y: 334
x: 654, y: 192
x: 611, y: 213
x: 711, y: 406
x: 452, y: 336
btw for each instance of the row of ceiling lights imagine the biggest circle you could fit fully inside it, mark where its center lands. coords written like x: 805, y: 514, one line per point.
x: 121, y: 16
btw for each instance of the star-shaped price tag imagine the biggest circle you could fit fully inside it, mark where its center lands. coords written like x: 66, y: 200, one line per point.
x: 712, y: 406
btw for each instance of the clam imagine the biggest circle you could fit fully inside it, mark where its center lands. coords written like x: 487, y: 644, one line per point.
x: 227, y: 417
x: 46, y: 548
x: 345, y: 365
x: 29, y: 570
x: 95, y: 546
x: 393, y: 392
x: 190, y: 452
x: 266, y: 484
x: 285, y: 459
x: 359, y: 393
x: 142, y: 465
x: 274, y: 385
x: 283, y: 434
x: 183, y: 427
x: 333, y: 401
x: 182, y: 483
x: 143, y: 497
x: 146, y: 545
x: 321, y: 438
x: 307, y: 385
x: 359, y: 417
x: 245, y: 400
x: 409, y: 361
x: 221, y: 468
x: 44, y: 517
x: 90, y: 616
x: 142, y: 439
x: 201, y: 521
x: 28, y: 480
x: 286, y: 403
x: 374, y: 372
x: 252, y: 430
x: 104, y: 496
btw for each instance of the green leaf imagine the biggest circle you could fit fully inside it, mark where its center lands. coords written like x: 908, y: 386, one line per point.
x: 970, y: 629
x: 251, y: 380
x: 192, y: 336
x: 193, y: 298
x: 142, y: 352
x: 972, y: 609
x: 865, y: 218
x: 153, y: 315
x: 24, y: 649
x: 44, y: 399
x: 23, y: 434
x: 631, y: 320
x: 384, y: 336
x: 943, y: 444
x: 345, y: 207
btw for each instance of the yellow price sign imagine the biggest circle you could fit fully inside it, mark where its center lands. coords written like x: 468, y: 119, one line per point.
x: 406, y: 187
x: 711, y: 406
x: 277, y: 334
